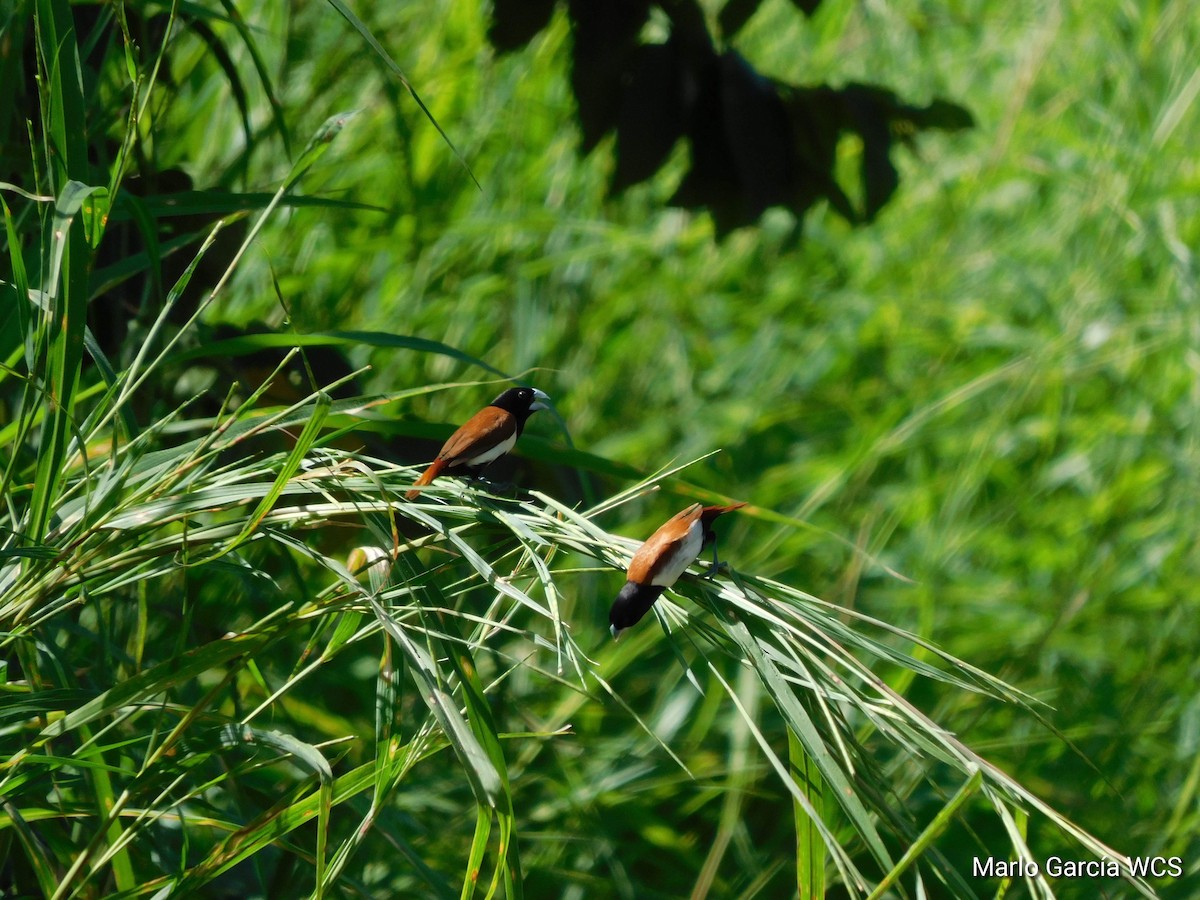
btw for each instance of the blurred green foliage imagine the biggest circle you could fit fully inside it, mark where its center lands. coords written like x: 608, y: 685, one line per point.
x: 990, y: 392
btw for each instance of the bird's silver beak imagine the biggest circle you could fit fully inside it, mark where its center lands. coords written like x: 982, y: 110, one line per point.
x: 537, y: 403
x: 614, y: 631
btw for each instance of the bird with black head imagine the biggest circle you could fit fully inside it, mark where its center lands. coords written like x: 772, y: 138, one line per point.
x: 662, y: 559
x: 484, y: 437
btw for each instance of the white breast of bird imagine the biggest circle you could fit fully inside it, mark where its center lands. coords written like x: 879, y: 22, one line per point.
x: 685, y: 554
x: 494, y: 453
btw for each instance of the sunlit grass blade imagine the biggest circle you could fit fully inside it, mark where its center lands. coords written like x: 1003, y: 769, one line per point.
x: 806, y: 732
x: 291, y: 465
x: 64, y: 323
x: 484, y: 779
x: 479, y: 844
x: 810, y: 849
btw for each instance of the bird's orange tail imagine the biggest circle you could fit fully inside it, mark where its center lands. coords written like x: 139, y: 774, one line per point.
x: 427, y: 476
x: 711, y: 512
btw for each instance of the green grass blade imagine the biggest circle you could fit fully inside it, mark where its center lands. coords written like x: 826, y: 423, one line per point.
x: 484, y: 779
x: 35, y: 852
x: 479, y: 844
x: 806, y: 732
x: 810, y: 849
x: 66, y: 292
x: 304, y: 443
x: 253, y: 343
x: 930, y: 834
x: 153, y: 681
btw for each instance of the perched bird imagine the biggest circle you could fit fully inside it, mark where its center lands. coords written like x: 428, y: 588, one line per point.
x: 662, y: 559
x: 486, y: 436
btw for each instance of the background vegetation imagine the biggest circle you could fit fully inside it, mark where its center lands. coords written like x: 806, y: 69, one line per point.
x: 974, y: 420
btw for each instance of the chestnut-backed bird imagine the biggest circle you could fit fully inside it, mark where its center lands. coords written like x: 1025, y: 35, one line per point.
x: 662, y: 559
x: 486, y: 436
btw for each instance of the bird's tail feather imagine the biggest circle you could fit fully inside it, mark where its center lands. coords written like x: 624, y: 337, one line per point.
x: 711, y: 512
x: 427, y: 476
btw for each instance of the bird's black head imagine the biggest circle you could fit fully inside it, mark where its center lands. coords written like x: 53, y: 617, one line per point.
x: 522, y: 402
x: 631, y: 604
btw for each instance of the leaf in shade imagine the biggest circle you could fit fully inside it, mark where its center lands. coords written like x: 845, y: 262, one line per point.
x: 515, y: 22
x: 735, y: 14
x: 942, y: 114
x: 808, y: 7
x: 880, y: 178
x: 211, y: 204
x: 868, y: 113
x: 711, y: 181
x: 652, y: 114
x: 754, y: 143
x: 250, y: 343
x: 759, y: 139
x: 815, y: 116
x: 605, y: 35
x: 880, y: 119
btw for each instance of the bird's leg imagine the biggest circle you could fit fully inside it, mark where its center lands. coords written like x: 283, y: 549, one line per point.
x: 496, y: 488
x: 716, y: 564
